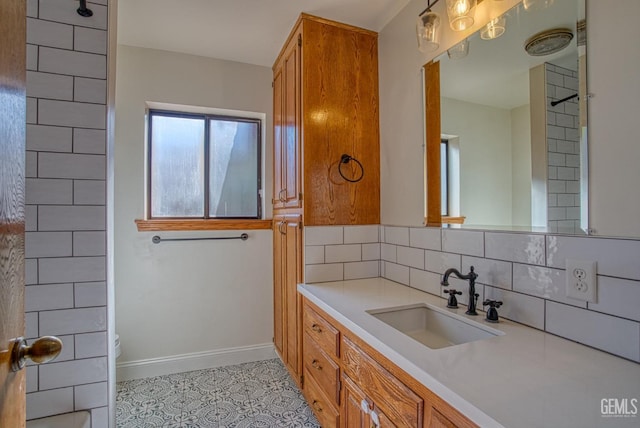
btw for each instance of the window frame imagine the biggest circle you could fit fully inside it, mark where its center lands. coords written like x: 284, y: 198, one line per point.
x: 207, y: 117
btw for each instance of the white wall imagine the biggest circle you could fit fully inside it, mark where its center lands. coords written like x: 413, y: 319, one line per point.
x: 521, y: 165
x: 614, y: 142
x: 485, y: 159
x: 612, y: 79
x: 184, y: 297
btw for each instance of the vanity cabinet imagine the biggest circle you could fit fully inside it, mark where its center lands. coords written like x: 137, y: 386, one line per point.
x: 325, y: 95
x: 287, y: 273
x: 348, y: 384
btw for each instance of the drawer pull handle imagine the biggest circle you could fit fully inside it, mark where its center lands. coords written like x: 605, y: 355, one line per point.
x: 316, y: 328
x: 317, y: 406
x: 315, y: 365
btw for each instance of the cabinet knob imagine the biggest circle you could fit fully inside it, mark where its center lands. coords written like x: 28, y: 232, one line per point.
x: 365, y: 407
x: 316, y: 405
x: 375, y: 419
x: 316, y: 365
x: 316, y: 328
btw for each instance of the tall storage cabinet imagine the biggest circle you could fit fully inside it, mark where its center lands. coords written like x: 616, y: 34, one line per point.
x: 325, y: 95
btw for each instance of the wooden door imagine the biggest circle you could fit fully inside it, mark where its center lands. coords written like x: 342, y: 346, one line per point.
x: 278, y: 294
x: 292, y: 112
x: 352, y: 412
x: 12, y: 158
x: 278, y: 138
x: 293, y: 254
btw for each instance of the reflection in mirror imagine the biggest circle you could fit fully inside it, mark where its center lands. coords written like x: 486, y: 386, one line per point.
x: 514, y: 124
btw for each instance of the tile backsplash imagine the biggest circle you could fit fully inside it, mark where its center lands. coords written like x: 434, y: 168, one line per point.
x: 525, y: 271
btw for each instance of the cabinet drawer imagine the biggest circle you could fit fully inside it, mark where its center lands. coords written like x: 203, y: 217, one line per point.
x: 399, y: 403
x: 322, y: 368
x: 325, y: 335
x: 327, y: 415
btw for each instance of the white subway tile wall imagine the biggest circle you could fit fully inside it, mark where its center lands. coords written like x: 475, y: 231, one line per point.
x: 335, y: 253
x: 65, y: 194
x: 563, y: 142
x: 524, y: 270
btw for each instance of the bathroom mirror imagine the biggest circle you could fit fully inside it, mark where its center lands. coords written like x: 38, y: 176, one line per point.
x: 511, y: 149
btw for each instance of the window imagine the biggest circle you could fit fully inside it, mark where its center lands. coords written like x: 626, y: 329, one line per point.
x: 444, y: 177
x: 203, y: 166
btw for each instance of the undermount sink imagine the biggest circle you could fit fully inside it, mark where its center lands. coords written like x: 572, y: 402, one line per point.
x: 432, y: 326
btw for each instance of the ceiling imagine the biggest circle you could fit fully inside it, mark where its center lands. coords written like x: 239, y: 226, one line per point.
x: 249, y: 31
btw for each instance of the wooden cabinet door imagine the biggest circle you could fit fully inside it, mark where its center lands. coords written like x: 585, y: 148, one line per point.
x: 278, y: 283
x: 293, y: 275
x: 351, y: 411
x: 292, y: 111
x: 400, y: 404
x: 278, y: 137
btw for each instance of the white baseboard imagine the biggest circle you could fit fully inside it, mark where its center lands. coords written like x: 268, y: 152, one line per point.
x: 195, y: 361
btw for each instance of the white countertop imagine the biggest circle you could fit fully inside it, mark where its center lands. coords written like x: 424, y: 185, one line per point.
x: 524, y: 378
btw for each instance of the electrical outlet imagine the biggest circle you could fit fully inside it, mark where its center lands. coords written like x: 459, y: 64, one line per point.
x: 581, y: 280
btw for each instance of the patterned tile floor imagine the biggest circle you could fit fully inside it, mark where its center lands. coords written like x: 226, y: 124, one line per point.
x: 257, y: 394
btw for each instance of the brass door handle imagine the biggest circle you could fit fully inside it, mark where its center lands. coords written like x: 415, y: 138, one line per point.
x: 44, y: 349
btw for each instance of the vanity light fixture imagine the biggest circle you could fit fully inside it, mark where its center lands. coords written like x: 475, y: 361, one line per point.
x: 428, y: 29
x: 459, y: 50
x: 494, y: 29
x: 461, y: 13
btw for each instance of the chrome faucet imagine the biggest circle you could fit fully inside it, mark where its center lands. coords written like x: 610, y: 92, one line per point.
x: 473, y: 296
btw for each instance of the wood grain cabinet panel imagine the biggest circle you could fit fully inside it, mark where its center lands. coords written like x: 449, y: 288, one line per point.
x: 438, y: 420
x: 321, y: 406
x: 287, y: 273
x: 326, y: 105
x: 400, y: 404
x: 322, y: 332
x: 322, y: 368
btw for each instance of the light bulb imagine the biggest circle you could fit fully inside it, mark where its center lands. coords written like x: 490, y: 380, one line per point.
x: 462, y: 7
x: 461, y: 13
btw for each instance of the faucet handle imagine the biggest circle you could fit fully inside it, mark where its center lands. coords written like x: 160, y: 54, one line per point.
x: 452, y: 302
x: 492, y: 313
x: 492, y: 303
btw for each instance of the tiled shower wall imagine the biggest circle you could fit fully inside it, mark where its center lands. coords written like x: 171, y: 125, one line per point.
x: 525, y: 271
x: 563, y: 145
x: 66, y: 292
